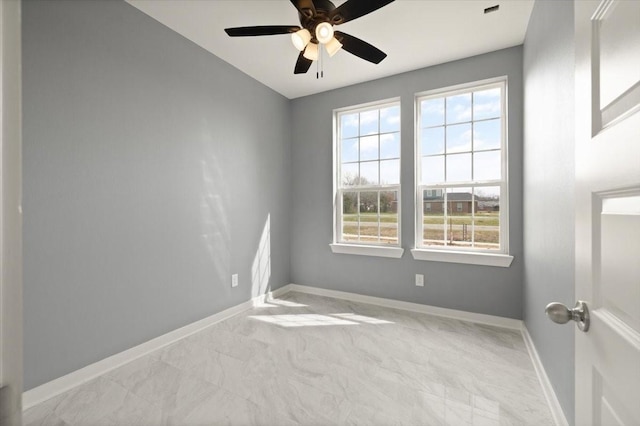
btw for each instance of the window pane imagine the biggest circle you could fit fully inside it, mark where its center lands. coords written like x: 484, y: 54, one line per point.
x: 458, y: 167
x: 460, y: 216
x: 390, y: 119
x: 390, y: 172
x: 388, y: 202
x: 432, y: 112
x: 459, y: 108
x: 349, y: 125
x: 350, y: 206
x: 368, y: 122
x: 487, y: 165
x: 389, y: 217
x: 369, y: 216
x: 349, y: 216
x: 459, y: 138
x: 349, y: 151
x: 350, y: 231
x: 390, y: 145
x: 433, y: 169
x: 350, y: 174
x: 433, y: 231
x: 487, y: 218
x: 369, y: 173
x: 369, y: 148
x: 486, y: 104
x: 432, y: 141
x: 434, y: 195
x: 433, y: 222
x: 369, y: 233
x: 487, y: 135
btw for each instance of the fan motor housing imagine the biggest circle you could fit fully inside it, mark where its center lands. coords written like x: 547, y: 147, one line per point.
x: 323, y: 11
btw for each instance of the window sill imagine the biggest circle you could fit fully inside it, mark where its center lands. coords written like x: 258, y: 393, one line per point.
x: 362, y: 250
x: 486, y: 259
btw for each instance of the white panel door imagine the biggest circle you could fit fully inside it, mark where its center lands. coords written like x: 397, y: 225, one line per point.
x: 608, y: 210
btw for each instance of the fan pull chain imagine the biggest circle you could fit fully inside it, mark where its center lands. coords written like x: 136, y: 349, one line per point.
x: 320, y: 63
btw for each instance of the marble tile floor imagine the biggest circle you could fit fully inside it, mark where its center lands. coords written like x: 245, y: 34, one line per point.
x: 310, y: 360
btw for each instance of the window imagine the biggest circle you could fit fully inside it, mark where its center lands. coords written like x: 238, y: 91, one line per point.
x: 367, y: 175
x: 461, y: 164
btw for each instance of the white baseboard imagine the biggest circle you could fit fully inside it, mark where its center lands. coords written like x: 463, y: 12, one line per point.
x: 408, y: 306
x: 62, y: 384
x: 547, y: 389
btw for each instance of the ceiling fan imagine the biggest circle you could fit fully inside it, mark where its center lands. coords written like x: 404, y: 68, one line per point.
x: 317, y: 19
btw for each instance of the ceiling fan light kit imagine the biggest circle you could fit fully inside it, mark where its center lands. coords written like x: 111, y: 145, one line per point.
x: 317, y: 21
x: 301, y: 38
x: 333, y: 46
x: 324, y: 32
x: 311, y: 52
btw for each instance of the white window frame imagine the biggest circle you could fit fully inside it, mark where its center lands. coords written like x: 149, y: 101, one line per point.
x: 471, y: 255
x: 364, y: 248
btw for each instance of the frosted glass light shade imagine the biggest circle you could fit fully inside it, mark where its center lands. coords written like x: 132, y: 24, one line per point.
x: 333, y: 46
x: 301, y: 38
x: 311, y: 52
x: 324, y: 32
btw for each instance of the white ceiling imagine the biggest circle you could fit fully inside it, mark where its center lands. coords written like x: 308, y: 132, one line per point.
x: 414, y: 34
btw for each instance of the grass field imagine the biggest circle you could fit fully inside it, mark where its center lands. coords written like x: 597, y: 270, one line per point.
x: 370, y: 231
x: 434, y: 235
x: 371, y: 217
x: 481, y: 219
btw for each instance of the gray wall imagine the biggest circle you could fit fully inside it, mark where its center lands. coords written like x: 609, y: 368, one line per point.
x: 151, y: 170
x: 11, y: 279
x: 483, y: 289
x: 549, y: 188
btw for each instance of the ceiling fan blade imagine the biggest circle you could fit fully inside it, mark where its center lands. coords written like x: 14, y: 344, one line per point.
x: 360, y: 48
x: 353, y: 9
x: 262, y: 30
x: 302, y: 65
x: 305, y: 7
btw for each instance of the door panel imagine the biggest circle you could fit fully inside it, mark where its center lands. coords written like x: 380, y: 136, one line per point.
x: 608, y: 210
x: 607, y: 405
x: 616, y: 287
x: 615, y: 32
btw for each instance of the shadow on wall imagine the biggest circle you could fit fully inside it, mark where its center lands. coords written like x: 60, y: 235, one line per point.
x: 261, y: 266
x: 216, y: 229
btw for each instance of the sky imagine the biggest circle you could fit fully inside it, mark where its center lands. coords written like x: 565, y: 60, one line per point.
x: 370, y: 140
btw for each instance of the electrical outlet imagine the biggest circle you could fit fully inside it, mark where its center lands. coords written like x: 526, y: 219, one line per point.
x: 419, y: 280
x: 234, y: 280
